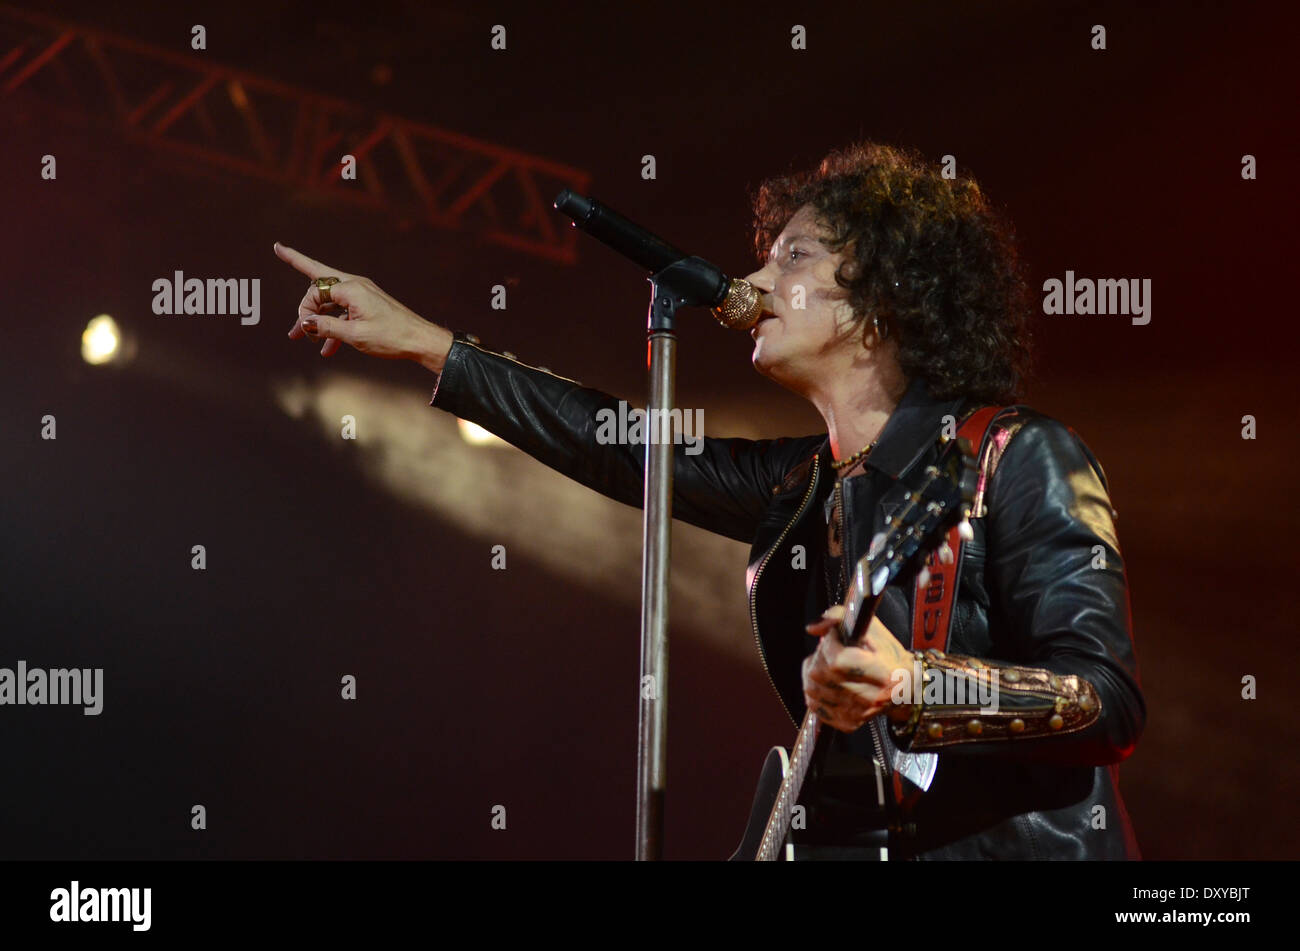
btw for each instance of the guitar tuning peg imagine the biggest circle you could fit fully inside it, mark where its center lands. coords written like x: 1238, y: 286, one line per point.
x: 965, y: 531
x: 945, y: 553
x: 923, y: 579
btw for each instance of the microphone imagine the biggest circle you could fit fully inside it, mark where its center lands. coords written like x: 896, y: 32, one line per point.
x: 735, y: 303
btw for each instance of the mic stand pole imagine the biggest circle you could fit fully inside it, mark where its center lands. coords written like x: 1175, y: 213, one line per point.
x: 683, y: 283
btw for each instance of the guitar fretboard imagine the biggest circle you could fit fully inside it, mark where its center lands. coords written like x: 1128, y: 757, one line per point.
x: 783, y: 811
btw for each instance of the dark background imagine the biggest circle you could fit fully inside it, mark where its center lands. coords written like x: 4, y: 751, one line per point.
x: 481, y: 687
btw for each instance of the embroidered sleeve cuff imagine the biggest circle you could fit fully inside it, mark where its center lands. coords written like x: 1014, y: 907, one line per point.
x: 964, y: 700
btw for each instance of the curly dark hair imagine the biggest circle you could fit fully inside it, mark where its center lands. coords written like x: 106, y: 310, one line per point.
x: 961, y: 309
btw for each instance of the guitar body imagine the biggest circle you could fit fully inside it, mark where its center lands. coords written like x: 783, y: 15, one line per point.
x: 775, y: 769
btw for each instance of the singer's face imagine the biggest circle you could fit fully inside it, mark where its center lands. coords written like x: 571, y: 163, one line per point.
x: 807, y: 328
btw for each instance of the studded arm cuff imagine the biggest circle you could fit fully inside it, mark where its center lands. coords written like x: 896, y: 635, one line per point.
x: 959, y: 699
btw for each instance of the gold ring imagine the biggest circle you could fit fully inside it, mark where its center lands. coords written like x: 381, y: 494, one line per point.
x: 323, y: 285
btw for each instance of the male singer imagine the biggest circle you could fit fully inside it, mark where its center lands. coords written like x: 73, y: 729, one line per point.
x: 894, y: 301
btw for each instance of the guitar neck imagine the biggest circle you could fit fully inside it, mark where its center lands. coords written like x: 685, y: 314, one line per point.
x: 769, y: 850
x: 859, y: 606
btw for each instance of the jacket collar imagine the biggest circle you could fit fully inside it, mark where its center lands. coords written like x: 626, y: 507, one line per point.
x: 910, y: 431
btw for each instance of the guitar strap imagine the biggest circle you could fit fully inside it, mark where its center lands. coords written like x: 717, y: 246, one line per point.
x: 932, y: 604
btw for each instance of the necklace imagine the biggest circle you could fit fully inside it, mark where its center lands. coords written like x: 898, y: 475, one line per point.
x: 857, y: 456
x: 836, y: 572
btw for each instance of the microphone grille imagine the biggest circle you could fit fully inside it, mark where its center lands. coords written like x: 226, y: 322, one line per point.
x: 742, y: 306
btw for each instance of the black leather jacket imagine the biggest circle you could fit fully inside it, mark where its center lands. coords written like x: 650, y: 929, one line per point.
x: 1042, y: 586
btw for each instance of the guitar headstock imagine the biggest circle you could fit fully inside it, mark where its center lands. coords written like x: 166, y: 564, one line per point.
x: 943, y: 499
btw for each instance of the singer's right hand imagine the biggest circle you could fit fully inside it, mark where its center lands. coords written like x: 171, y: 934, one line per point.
x: 371, y: 322
x: 847, y: 686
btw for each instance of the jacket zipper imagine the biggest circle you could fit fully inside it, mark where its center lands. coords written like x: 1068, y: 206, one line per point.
x: 758, y: 574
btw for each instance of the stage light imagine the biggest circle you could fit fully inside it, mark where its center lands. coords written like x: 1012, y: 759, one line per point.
x: 476, y: 435
x: 101, y: 341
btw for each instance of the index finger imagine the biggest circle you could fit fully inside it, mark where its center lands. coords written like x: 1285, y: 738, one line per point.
x: 309, y: 266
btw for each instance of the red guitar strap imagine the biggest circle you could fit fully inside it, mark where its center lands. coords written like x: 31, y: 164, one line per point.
x: 932, y: 604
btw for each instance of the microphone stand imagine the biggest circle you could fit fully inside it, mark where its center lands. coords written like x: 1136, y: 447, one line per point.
x: 688, y: 282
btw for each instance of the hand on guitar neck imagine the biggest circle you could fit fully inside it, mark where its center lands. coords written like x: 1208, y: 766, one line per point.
x: 847, y: 686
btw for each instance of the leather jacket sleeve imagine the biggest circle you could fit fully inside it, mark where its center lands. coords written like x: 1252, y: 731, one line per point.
x: 725, y: 487
x: 1059, y: 617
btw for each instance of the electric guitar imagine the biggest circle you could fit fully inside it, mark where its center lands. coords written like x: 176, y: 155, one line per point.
x: 944, y: 499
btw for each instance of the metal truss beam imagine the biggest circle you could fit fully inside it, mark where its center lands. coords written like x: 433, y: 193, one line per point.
x: 194, y: 109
